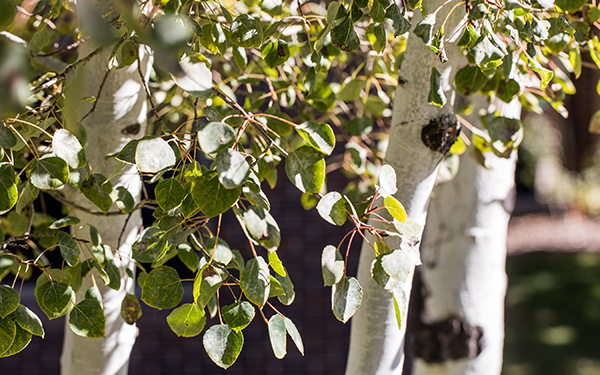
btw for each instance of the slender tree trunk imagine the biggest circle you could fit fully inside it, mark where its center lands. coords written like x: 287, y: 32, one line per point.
x: 420, y: 136
x: 462, y: 283
x: 120, y: 116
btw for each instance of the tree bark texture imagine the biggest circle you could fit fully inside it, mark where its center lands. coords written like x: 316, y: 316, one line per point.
x: 420, y: 135
x: 120, y: 116
x: 460, y: 328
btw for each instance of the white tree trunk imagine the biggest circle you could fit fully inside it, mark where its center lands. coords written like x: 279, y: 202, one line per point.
x: 122, y: 104
x: 376, y: 342
x: 463, y: 279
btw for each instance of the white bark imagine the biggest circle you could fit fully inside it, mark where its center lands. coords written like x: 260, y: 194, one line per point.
x: 464, y: 252
x: 122, y: 103
x: 376, y: 342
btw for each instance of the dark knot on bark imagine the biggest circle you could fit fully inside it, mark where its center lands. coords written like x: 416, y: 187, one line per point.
x: 441, y: 132
x: 449, y: 339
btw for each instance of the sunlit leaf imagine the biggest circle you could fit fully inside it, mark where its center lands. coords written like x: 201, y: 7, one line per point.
x: 305, y: 167
x: 318, y: 135
x: 215, y: 137
x: 153, y: 154
x: 67, y: 147
x: 278, y: 336
x: 223, y: 345
x: 211, y: 197
x: 238, y: 315
x: 188, y: 320
x: 256, y: 281
x: 162, y: 288
x: 346, y: 297
x: 332, y: 265
x: 9, y: 300
x: 246, y: 32
x: 49, y: 173
x: 68, y: 248
x: 232, y: 168
x: 29, y: 321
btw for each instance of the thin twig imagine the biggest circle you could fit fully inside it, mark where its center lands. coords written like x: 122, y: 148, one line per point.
x: 97, y: 96
x: 69, y: 69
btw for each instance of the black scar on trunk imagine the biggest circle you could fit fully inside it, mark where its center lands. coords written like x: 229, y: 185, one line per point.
x: 441, y: 132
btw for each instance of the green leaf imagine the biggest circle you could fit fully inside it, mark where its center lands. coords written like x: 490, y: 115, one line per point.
x: 162, y: 288
x: 114, y: 274
x: 8, y: 193
x: 68, y: 248
x: 305, y: 167
x: 377, y: 12
x: 169, y: 194
x: 486, y: 54
x: 399, y: 311
x: 344, y: 36
x: 469, y: 79
x: 55, y: 299
x: 29, y: 321
x: 332, y: 208
x: 97, y: 190
x: 188, y: 256
x: 399, y: 22
x: 256, y: 281
x: 22, y: 339
x: 188, y: 320
x: 223, y: 345
x: 151, y: 245
x: 277, y: 335
x: 335, y: 11
x: 507, y: 91
x: 346, y: 297
x: 64, y: 222
x: 196, y: 78
x: 232, y: 168
x: 240, y: 57
x: 153, y: 154
x: 276, y: 288
x: 359, y: 126
x: 8, y: 333
x: 215, y: 137
x: 246, y: 32
x: 332, y: 265
x: 87, y: 319
x: 42, y: 38
x: 124, y: 199
x: 49, y: 173
x: 275, y: 53
x: 436, y: 92
x: 395, y: 265
x: 131, y: 310
x: 127, y: 54
x: 8, y: 11
x: 7, y: 137
x: 424, y: 29
x: 67, y: 147
x: 262, y: 228
x: 294, y: 334
x: 206, y: 284
x: 276, y: 264
x: 395, y: 208
x: 238, y: 315
x: 221, y: 249
x: 288, y: 288
x: 211, y: 196
x: 9, y: 300
x: 318, y: 135
x: 127, y: 154
x: 570, y: 5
